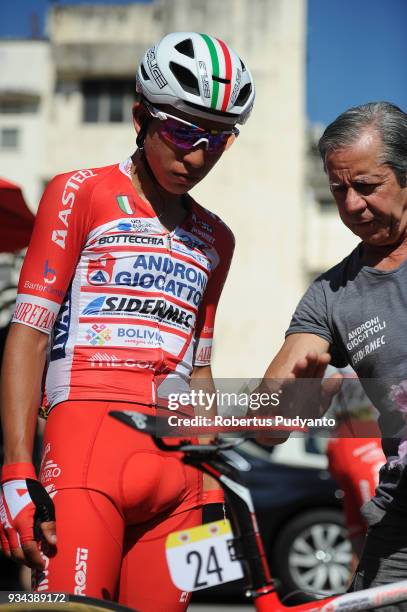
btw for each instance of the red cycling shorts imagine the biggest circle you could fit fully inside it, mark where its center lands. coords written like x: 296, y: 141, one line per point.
x: 117, y: 497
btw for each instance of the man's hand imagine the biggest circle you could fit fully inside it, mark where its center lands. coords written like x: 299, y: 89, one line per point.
x: 27, y: 515
x: 319, y: 393
x: 303, y: 392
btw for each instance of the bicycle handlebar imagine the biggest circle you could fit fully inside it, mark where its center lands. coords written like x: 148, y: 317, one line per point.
x: 219, y: 461
x: 148, y: 424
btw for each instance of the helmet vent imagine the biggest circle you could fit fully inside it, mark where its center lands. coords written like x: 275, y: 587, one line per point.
x: 243, y: 95
x: 185, y: 78
x: 242, y: 65
x: 186, y: 48
x: 144, y: 73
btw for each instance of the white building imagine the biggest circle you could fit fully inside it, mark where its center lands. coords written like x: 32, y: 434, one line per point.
x: 326, y: 239
x: 65, y: 104
x: 26, y: 79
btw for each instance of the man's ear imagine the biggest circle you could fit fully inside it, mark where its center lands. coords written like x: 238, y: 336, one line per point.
x: 140, y: 114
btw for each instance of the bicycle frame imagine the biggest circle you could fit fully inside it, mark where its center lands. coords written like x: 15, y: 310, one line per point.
x: 248, y: 544
x: 214, y: 460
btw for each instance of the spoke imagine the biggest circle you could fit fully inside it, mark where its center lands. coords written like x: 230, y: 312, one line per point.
x: 301, y: 545
x: 343, y: 558
x: 336, y: 581
x: 315, y: 577
x: 303, y: 560
x: 345, y: 572
x: 318, y: 537
x: 308, y: 577
x: 332, y: 533
x: 343, y: 547
x: 320, y: 578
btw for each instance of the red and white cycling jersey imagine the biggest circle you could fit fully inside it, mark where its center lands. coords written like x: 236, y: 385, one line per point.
x: 131, y: 306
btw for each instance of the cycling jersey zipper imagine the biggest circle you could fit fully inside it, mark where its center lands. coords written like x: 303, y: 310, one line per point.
x: 169, y: 249
x: 154, y: 381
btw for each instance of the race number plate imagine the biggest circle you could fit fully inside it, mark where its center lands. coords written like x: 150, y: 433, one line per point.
x: 202, y: 557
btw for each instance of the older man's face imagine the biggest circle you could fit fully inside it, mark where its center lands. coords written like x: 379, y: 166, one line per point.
x: 370, y: 201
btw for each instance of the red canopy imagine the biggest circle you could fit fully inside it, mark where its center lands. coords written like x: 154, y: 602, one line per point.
x: 16, y: 220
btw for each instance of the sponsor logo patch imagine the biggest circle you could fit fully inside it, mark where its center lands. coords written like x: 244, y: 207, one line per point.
x: 35, y: 315
x: 125, y: 306
x: 154, y: 69
x: 126, y: 204
x: 100, y: 270
x: 236, y: 87
x: 59, y: 237
x: 43, y: 288
x: 132, y: 239
x: 107, y: 360
x: 136, y: 225
x: 98, y: 334
x: 68, y: 200
x: 204, y: 78
x: 49, y: 274
x: 49, y: 471
x: 81, y: 566
x: 61, y: 329
x: 134, y: 335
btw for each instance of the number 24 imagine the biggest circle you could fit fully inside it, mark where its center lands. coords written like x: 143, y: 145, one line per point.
x: 212, y: 566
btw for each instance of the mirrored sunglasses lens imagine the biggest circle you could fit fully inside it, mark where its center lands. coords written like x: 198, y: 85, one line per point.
x: 218, y: 141
x: 186, y: 137
x: 179, y: 136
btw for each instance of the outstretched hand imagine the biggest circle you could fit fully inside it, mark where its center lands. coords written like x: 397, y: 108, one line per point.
x: 304, y: 392
x: 321, y: 392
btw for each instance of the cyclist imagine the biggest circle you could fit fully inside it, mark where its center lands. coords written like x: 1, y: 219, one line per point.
x: 125, y: 271
x: 355, y: 456
x: 355, y: 463
x: 354, y: 313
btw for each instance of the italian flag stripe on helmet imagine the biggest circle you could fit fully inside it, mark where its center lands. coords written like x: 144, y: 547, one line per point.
x: 228, y: 75
x: 215, y: 68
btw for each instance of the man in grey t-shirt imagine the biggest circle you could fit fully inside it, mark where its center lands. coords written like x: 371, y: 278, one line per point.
x: 356, y: 313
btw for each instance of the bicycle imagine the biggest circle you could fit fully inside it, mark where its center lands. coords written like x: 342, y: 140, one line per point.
x: 224, y: 464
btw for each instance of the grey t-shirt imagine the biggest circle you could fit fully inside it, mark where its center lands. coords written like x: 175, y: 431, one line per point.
x: 362, y: 313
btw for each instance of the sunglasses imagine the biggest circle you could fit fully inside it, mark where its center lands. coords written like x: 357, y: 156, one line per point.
x: 186, y: 136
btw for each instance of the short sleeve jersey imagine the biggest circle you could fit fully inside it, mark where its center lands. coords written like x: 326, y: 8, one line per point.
x: 361, y: 312
x: 128, y: 304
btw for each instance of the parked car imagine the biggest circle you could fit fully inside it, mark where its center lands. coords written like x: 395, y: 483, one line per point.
x: 298, y: 506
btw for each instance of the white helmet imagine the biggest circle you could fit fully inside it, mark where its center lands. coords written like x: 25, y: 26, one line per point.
x: 199, y: 75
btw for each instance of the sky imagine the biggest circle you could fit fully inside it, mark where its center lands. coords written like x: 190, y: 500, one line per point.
x: 356, y: 53
x: 356, y: 49
x: 16, y: 15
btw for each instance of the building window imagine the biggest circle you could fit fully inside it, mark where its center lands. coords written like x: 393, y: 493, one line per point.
x: 9, y: 138
x: 17, y: 107
x: 107, y: 100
